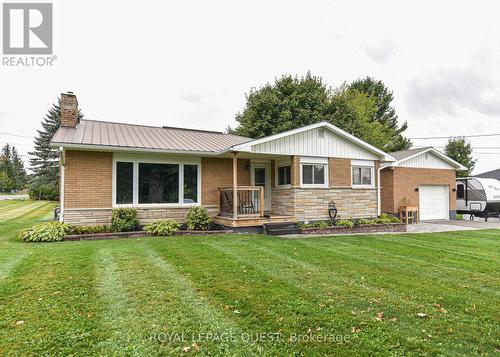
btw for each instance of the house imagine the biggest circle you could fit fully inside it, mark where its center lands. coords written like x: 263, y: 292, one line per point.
x: 424, y: 178
x: 494, y: 174
x: 292, y: 176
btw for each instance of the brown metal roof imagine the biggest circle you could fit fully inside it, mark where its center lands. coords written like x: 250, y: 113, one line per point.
x: 99, y: 133
x: 403, y: 154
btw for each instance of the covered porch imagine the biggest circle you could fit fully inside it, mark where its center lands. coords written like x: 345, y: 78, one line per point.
x: 250, y: 205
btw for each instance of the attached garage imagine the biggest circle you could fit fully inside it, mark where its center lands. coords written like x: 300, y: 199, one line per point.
x: 424, y: 178
x: 434, y: 202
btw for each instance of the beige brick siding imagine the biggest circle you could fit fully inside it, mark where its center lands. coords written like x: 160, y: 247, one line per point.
x: 401, y: 182
x: 88, y: 179
x: 339, y: 172
x: 87, y: 217
x: 216, y: 172
x: 312, y: 203
x: 295, y: 171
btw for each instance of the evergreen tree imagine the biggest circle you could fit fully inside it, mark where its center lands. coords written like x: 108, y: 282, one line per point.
x: 44, y: 159
x: 7, y: 169
x: 460, y: 150
x: 20, y: 176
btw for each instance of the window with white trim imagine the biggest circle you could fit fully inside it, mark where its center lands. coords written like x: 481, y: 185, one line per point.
x: 284, y: 175
x: 138, y: 182
x: 362, y: 176
x: 314, y: 174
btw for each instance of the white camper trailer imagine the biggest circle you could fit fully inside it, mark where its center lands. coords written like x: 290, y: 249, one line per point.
x: 478, y: 197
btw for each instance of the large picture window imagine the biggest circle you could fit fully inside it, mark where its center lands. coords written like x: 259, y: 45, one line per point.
x: 362, y: 176
x: 150, y: 183
x: 313, y: 174
x: 158, y: 183
x: 124, y: 182
x: 284, y: 175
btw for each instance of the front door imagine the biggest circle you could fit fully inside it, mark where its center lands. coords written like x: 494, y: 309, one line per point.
x: 261, y: 176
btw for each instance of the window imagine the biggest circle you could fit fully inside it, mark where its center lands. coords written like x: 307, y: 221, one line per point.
x: 313, y: 174
x: 124, y: 182
x: 158, y: 183
x: 284, y: 175
x: 362, y: 176
x: 460, y: 191
x: 190, y: 183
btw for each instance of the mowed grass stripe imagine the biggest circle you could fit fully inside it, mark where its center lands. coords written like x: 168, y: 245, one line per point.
x: 53, y: 295
x: 147, y: 297
x: 264, y: 302
x: 21, y: 211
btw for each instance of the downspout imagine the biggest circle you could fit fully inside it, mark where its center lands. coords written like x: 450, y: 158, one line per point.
x: 61, y: 189
x: 379, y: 206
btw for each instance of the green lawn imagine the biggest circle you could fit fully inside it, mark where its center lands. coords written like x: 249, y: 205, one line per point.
x: 253, y: 294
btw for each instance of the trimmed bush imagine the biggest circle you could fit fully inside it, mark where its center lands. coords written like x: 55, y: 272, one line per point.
x: 198, y: 219
x: 163, y: 228
x: 124, y: 220
x: 344, y: 223
x: 385, y: 218
x: 317, y: 224
x: 90, y: 229
x: 45, y: 232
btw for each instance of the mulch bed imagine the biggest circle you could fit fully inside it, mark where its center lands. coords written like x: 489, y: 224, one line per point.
x: 137, y: 234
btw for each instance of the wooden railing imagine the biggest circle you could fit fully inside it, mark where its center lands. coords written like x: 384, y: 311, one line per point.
x: 250, y: 201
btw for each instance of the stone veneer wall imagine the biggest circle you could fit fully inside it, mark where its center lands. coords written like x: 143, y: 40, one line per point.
x: 92, y: 217
x: 307, y: 204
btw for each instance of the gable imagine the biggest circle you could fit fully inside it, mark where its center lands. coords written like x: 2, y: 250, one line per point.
x: 427, y: 160
x: 312, y: 143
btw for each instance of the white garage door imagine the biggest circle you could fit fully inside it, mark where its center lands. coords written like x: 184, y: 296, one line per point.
x: 434, y: 202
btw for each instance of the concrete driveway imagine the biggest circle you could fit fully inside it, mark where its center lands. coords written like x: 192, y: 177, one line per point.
x: 13, y: 197
x: 447, y: 226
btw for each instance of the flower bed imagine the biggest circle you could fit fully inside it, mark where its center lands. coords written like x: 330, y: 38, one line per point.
x: 361, y: 228
x: 138, y: 234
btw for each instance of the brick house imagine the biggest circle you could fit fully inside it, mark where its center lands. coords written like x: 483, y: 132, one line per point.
x: 424, y: 178
x: 163, y: 171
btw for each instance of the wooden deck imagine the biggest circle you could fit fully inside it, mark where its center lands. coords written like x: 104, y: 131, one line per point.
x: 252, y: 221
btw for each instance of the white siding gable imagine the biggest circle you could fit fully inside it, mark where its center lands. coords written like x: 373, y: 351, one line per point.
x: 310, y: 143
x: 426, y: 160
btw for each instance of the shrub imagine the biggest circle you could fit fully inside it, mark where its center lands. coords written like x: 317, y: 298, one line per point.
x: 124, y: 220
x: 162, y: 228
x: 43, y: 192
x: 345, y: 223
x: 198, y: 218
x: 385, y: 218
x: 45, y: 232
x: 90, y: 229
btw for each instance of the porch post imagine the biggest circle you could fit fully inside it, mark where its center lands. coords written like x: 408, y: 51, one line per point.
x: 235, y: 185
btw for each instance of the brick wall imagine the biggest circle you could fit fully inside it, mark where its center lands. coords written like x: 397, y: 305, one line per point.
x: 295, y: 171
x: 282, y: 201
x: 216, y: 172
x: 88, y: 179
x: 404, y: 180
x: 339, y: 172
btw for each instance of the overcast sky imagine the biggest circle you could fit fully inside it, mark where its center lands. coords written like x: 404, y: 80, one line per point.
x: 190, y: 63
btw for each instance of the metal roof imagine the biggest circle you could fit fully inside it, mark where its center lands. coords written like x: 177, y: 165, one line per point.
x: 118, y: 135
x: 403, y: 154
x: 494, y: 174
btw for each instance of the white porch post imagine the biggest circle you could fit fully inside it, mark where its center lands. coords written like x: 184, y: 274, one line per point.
x: 235, y: 185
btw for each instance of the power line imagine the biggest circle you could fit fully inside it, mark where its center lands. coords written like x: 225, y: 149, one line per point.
x: 454, y: 136
x: 17, y: 135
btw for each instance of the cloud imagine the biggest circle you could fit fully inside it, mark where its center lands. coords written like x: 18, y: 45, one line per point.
x: 192, y: 97
x: 472, y: 87
x: 382, y: 51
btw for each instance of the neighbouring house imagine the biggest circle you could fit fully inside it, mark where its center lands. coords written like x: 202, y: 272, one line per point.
x: 494, y: 174
x: 424, y: 178
x: 288, y: 177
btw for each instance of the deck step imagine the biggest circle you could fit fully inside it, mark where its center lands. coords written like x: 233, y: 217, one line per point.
x: 279, y: 229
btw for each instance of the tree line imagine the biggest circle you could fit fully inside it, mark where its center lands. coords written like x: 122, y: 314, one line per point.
x: 13, y: 175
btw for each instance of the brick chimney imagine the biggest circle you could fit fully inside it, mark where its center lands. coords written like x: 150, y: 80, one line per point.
x: 69, y: 110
